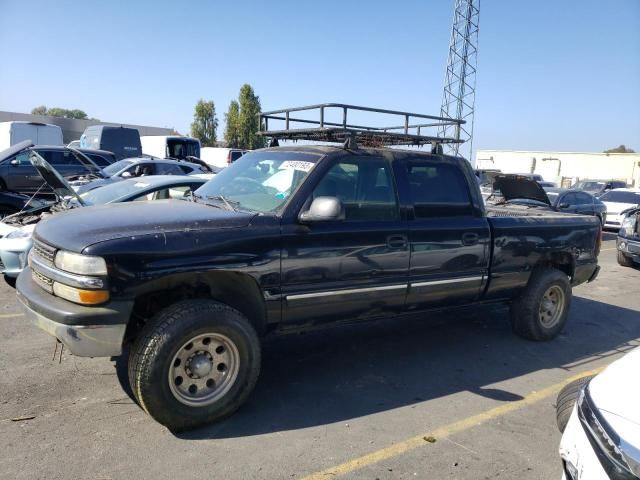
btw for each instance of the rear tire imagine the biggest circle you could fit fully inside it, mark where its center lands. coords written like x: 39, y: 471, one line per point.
x: 541, y: 311
x: 11, y: 281
x: 624, y: 260
x: 567, y: 398
x: 194, y: 363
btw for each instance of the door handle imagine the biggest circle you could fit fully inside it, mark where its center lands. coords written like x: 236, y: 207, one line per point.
x: 469, y: 239
x: 396, y: 241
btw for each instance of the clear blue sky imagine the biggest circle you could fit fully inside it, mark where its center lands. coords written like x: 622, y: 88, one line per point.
x: 561, y: 75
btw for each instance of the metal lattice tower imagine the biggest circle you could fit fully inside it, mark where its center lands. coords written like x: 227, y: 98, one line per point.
x: 458, y: 99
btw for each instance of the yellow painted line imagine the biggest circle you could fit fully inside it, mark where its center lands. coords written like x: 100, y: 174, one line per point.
x: 10, y: 315
x: 445, y: 431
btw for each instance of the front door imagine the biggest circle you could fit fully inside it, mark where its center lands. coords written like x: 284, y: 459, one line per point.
x: 353, y: 268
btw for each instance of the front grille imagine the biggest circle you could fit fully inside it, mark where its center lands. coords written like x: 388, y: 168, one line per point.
x: 1, y: 265
x: 45, y: 282
x: 45, y: 252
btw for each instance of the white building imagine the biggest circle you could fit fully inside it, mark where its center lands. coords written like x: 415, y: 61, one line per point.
x: 564, y: 168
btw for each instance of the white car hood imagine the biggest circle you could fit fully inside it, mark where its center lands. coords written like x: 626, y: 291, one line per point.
x: 6, y: 229
x: 614, y: 208
x: 616, y: 393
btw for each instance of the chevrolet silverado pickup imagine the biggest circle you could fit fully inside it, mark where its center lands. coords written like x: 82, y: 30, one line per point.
x: 284, y: 239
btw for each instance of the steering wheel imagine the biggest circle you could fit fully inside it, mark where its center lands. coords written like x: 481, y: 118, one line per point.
x: 246, y: 185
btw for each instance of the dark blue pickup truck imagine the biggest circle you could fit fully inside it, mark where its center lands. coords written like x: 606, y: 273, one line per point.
x: 288, y: 238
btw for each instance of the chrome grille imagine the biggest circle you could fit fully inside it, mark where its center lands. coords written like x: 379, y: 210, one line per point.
x: 44, y: 282
x: 44, y: 251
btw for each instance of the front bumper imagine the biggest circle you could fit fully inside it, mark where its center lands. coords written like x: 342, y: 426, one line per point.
x: 13, y: 255
x: 630, y: 247
x: 86, y: 331
x: 579, y: 459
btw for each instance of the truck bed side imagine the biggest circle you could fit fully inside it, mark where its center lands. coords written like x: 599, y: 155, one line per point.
x: 521, y: 243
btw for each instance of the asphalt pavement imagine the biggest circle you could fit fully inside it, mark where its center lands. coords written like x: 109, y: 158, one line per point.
x: 439, y: 396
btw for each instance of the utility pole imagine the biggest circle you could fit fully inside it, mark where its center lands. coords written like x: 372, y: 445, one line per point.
x: 459, y: 96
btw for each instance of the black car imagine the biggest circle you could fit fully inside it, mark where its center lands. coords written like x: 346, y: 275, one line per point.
x: 11, y: 203
x: 18, y: 175
x: 576, y: 201
x: 284, y: 239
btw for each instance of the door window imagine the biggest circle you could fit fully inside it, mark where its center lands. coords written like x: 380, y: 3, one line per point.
x: 21, y: 159
x: 583, y: 199
x: 438, y: 190
x: 364, y: 186
x: 168, y: 169
x: 570, y: 199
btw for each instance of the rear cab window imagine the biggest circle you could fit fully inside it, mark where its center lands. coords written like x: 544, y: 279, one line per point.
x: 437, y: 190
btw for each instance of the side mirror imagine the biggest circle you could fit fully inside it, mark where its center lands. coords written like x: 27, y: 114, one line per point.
x: 14, y: 162
x: 126, y: 174
x: 323, y: 209
x: 564, y: 205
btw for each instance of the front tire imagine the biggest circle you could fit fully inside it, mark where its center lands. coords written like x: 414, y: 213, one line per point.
x: 541, y: 312
x: 623, y: 260
x: 194, y: 363
x: 567, y: 398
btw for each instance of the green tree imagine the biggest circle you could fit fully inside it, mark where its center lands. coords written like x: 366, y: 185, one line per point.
x: 620, y: 149
x: 205, y: 123
x: 232, y: 127
x: 41, y: 110
x: 59, y: 112
x: 250, y: 107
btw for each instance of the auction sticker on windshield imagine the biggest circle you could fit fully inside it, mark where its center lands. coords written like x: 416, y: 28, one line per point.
x: 296, y: 165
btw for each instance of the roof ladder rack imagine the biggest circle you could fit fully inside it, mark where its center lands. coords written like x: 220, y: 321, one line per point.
x: 315, y: 127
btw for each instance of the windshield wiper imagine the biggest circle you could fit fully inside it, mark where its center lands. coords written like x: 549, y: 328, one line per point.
x: 229, y: 204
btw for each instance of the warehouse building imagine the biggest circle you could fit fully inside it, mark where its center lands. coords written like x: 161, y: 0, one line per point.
x: 72, y: 128
x: 564, y: 168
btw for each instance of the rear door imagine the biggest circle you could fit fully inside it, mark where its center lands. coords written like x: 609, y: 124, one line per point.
x: 353, y: 268
x: 449, y: 236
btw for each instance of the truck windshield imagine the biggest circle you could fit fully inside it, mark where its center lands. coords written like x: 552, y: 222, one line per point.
x: 260, y: 181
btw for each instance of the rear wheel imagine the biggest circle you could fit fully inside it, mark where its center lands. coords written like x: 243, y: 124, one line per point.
x: 567, y: 398
x: 624, y: 260
x: 11, y: 281
x: 196, y: 362
x: 541, y: 311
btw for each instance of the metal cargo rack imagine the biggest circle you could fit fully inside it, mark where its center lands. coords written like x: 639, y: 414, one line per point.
x: 318, y: 129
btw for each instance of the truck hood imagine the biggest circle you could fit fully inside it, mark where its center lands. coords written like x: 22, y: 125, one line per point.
x: 77, y: 229
x: 515, y: 186
x: 57, y: 183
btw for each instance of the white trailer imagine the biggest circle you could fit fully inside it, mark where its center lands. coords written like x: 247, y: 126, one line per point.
x: 12, y: 133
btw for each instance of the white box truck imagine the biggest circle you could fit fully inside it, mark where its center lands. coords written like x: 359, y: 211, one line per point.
x: 12, y: 133
x: 163, y: 146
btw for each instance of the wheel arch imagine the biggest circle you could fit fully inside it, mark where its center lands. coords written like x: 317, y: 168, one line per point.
x: 237, y: 290
x: 563, y: 261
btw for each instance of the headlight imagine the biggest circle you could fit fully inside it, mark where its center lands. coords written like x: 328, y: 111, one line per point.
x: 20, y: 233
x: 80, y: 264
x: 628, y: 225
